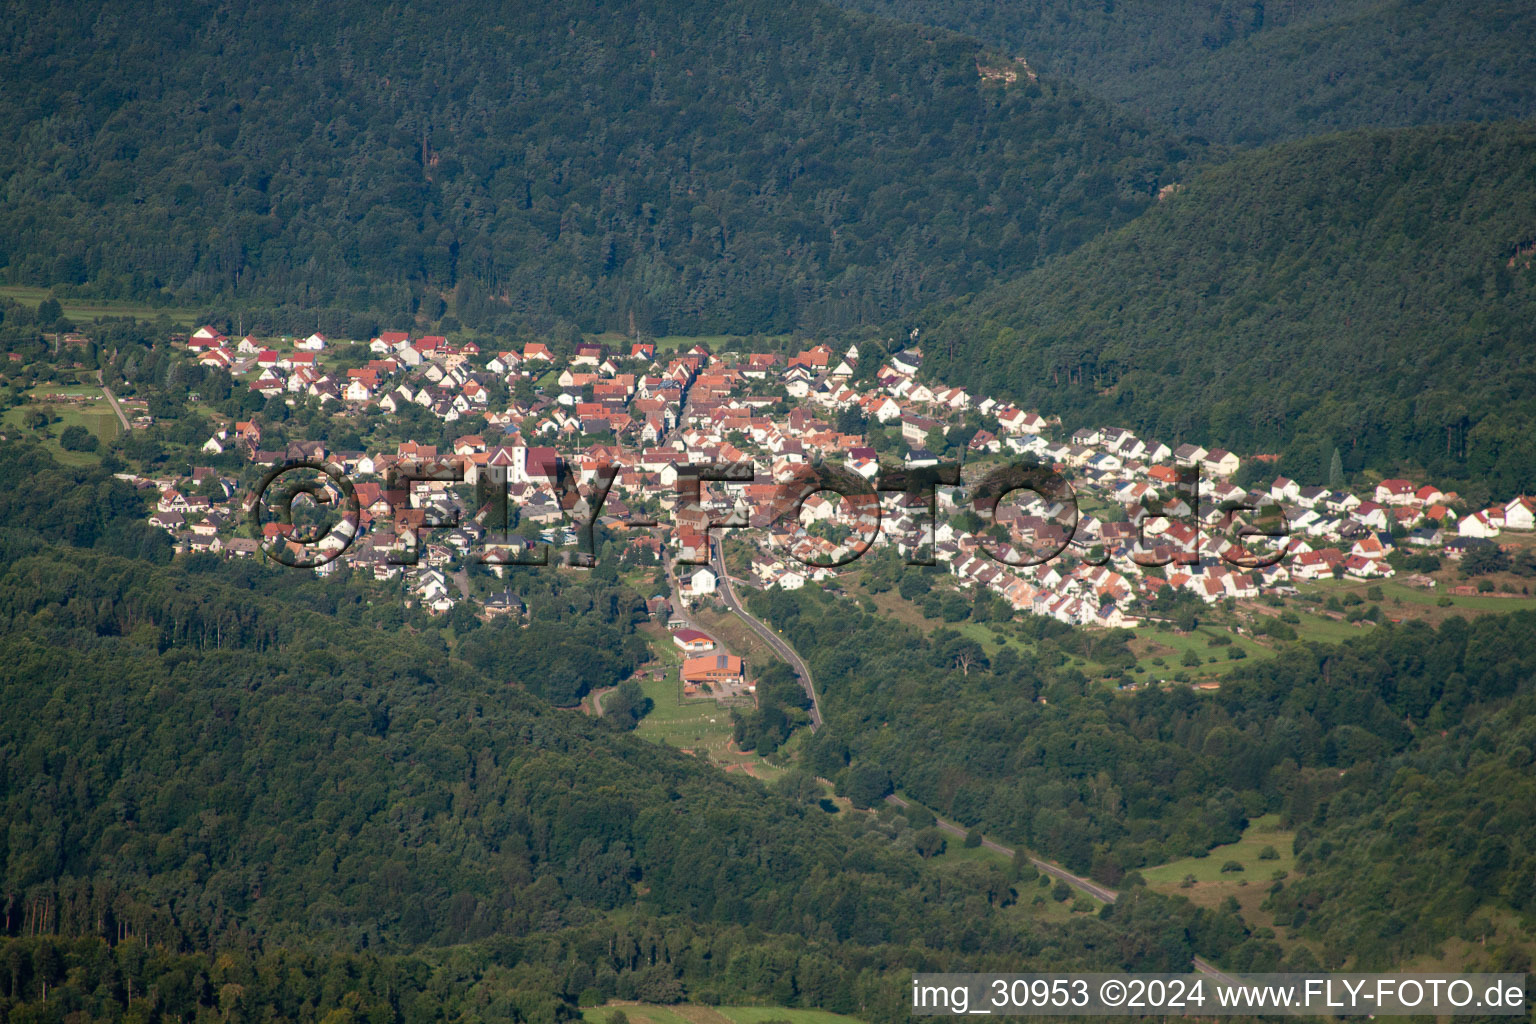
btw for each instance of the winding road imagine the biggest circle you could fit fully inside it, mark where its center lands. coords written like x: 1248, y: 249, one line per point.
x: 781, y: 647
x: 770, y: 637
x: 1077, y: 882
x: 1081, y: 884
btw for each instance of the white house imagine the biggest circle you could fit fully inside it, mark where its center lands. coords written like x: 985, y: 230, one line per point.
x: 702, y: 581
x: 1477, y: 525
x: 1520, y: 514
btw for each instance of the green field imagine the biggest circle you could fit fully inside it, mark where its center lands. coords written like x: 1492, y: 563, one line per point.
x: 90, y: 309
x: 1153, y: 642
x: 1261, y: 832
x: 96, y: 416
x: 1424, y: 599
x: 696, y: 1013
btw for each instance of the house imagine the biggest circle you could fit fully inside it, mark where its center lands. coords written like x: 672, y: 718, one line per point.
x: 504, y: 362
x: 1520, y: 514
x: 1479, y: 525
x: 907, y: 362
x: 884, y: 409
x: 1366, y: 568
x: 1395, y: 492
x: 691, y: 641
x: 714, y: 669
x: 504, y: 603
x: 918, y: 430
x: 701, y: 582
x: 314, y: 343
x: 1219, y: 462
x: 1189, y: 454
x: 1369, y: 547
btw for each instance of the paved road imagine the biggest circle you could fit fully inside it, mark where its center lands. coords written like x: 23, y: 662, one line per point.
x: 1204, y: 966
x: 112, y: 401
x: 1092, y: 888
x: 1077, y: 882
x: 771, y: 638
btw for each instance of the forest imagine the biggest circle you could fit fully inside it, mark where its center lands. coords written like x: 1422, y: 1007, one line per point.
x: 1370, y: 291
x: 1370, y: 749
x: 231, y: 790
x: 685, y: 168
x: 232, y: 793
x: 1249, y: 72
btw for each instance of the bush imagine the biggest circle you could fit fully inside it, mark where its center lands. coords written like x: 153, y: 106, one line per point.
x: 1061, y: 891
x: 1231, y: 866
x: 973, y: 839
x: 1269, y: 853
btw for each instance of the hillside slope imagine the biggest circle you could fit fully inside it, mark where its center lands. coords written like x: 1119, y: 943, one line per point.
x: 1246, y: 71
x: 233, y: 763
x: 700, y: 166
x: 1369, y: 290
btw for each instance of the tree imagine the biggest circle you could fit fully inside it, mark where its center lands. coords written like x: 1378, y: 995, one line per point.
x: 866, y: 785
x: 1483, y: 557
x: 76, y: 438
x: 627, y: 704
x: 928, y: 843
x: 1336, y: 471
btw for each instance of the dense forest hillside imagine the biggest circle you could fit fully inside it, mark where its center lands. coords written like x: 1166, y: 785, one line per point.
x: 703, y: 166
x: 1402, y: 758
x: 220, y: 775
x: 1251, y: 71
x: 1404, y: 853
x: 1370, y: 290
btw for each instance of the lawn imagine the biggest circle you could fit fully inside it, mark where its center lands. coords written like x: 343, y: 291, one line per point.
x: 1261, y: 832
x: 81, y: 310
x: 1249, y: 887
x: 738, y: 637
x: 1153, y: 642
x: 96, y: 416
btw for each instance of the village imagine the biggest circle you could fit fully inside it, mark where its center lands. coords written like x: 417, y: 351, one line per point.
x: 546, y: 426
